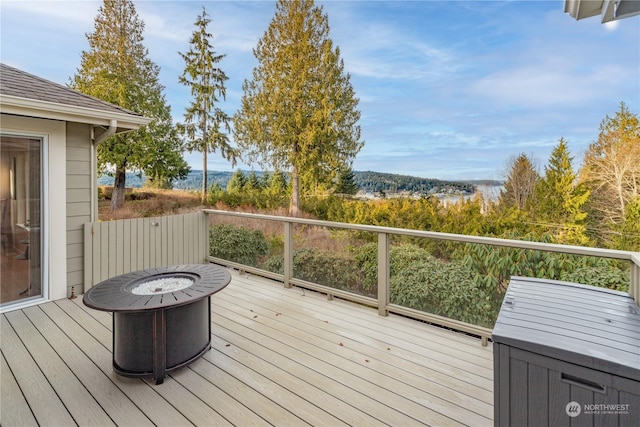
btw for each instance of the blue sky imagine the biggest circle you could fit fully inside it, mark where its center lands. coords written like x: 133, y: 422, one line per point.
x: 448, y: 89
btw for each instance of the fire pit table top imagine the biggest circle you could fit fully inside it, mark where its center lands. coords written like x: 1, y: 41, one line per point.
x: 184, y: 284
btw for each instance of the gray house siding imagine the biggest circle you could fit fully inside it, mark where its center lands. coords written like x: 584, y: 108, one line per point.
x: 78, y: 200
x: 32, y: 105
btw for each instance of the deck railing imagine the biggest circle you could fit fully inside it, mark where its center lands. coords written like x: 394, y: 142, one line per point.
x: 382, y: 302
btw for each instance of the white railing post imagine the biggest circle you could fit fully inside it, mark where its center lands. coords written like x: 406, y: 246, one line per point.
x: 383, y: 274
x: 634, y: 286
x: 288, y: 253
x: 207, y: 239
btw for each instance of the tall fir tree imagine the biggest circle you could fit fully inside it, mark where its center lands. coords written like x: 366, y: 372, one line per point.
x: 254, y: 183
x: 117, y: 69
x: 347, y: 183
x: 299, y: 111
x: 237, y: 182
x: 519, y: 188
x: 561, y: 199
x: 278, y: 184
x: 205, y: 122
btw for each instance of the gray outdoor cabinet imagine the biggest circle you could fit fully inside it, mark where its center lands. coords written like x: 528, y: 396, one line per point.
x: 566, y: 354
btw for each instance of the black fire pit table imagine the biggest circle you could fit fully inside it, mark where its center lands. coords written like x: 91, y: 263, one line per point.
x: 161, y: 316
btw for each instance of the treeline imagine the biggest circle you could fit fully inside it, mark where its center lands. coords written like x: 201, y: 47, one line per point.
x: 377, y: 182
x: 368, y: 181
x: 193, y: 180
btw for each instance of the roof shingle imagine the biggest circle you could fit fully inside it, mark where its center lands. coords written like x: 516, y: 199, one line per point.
x: 14, y: 82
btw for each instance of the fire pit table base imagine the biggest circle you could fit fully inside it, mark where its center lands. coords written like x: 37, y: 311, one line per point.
x: 149, y: 344
x: 161, y: 316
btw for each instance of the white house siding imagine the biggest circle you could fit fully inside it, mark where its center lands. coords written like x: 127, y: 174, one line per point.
x: 78, y: 192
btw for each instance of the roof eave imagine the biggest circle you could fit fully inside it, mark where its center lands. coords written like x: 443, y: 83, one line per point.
x: 609, y: 10
x: 613, y: 10
x: 50, y: 110
x: 580, y: 9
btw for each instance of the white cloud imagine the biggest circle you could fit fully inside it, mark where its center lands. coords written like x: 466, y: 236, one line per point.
x: 546, y: 84
x: 57, y: 13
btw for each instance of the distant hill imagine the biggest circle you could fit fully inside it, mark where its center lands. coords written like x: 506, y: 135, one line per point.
x: 133, y: 180
x: 368, y: 181
x: 376, y: 182
x: 193, y: 181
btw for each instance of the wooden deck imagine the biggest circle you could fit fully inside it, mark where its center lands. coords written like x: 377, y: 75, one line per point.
x: 282, y: 357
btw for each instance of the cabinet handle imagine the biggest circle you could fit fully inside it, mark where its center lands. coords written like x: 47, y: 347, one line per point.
x: 581, y: 382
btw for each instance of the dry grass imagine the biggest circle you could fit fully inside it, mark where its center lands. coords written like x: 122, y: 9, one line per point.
x: 304, y: 235
x: 144, y: 203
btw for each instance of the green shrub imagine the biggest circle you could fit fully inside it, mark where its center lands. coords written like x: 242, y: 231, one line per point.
x: 261, y: 199
x: 494, y: 266
x: 324, y: 267
x: 400, y: 257
x: 274, y: 264
x: 445, y: 289
x: 367, y: 259
x: 604, y: 276
x: 237, y: 244
x: 276, y: 245
x: 423, y: 282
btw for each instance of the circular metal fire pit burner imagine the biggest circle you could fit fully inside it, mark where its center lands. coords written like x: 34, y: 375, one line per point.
x: 161, y: 316
x: 162, y: 285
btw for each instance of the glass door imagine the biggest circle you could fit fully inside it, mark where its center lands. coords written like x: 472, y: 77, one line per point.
x: 21, y: 218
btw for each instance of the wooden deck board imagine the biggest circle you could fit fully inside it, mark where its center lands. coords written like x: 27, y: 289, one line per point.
x: 340, y: 352
x: 232, y: 411
x: 14, y: 409
x: 363, y: 316
x: 353, y: 366
x: 303, y: 397
x: 142, y: 396
x: 370, y: 336
x: 80, y: 404
x: 358, y: 313
x: 277, y: 358
x: 52, y: 325
x: 34, y: 385
x: 313, y: 370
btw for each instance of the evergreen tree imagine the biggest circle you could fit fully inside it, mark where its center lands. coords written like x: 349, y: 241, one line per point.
x: 627, y: 234
x: 204, y: 120
x: 278, y: 183
x: 117, y: 69
x: 519, y: 188
x: 611, y: 170
x: 253, y: 182
x: 347, y: 183
x: 299, y: 111
x: 560, y: 199
x: 237, y: 182
x: 162, y: 165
